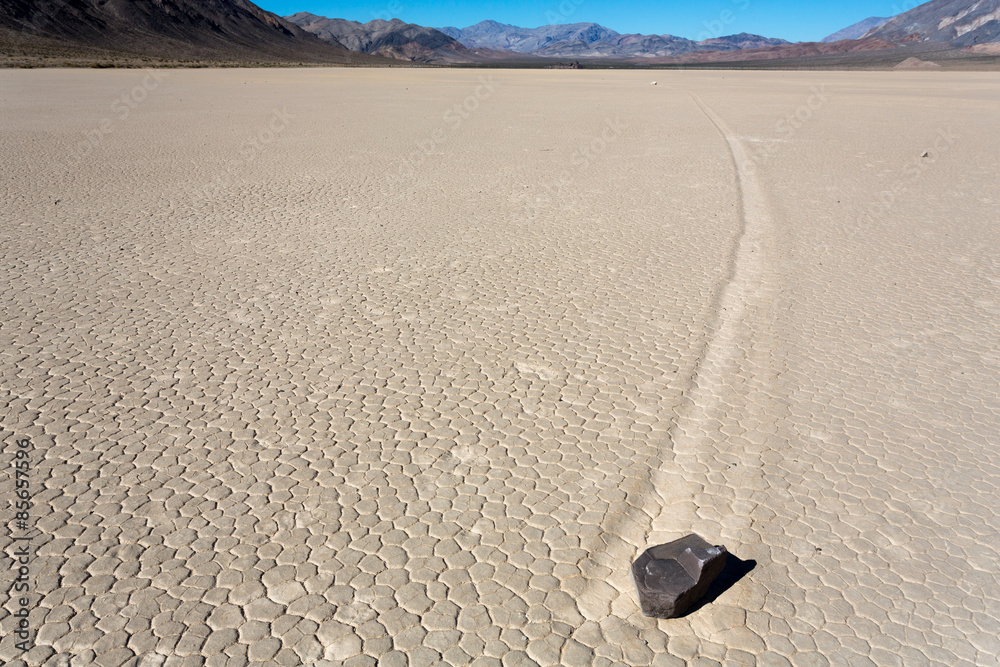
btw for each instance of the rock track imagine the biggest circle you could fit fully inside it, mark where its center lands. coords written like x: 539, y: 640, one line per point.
x: 318, y: 394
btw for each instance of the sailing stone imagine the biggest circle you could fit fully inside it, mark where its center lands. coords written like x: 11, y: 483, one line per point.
x: 670, y: 577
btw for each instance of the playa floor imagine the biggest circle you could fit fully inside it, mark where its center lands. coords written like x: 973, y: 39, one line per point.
x: 330, y: 367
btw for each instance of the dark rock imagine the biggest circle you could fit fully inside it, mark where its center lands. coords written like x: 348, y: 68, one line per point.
x: 670, y: 577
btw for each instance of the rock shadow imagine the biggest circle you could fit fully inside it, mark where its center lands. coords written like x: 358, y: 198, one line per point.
x: 735, y: 569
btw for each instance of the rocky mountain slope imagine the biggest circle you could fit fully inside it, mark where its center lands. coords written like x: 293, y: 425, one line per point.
x: 961, y: 22
x: 856, y: 30
x: 392, y: 39
x: 213, y: 30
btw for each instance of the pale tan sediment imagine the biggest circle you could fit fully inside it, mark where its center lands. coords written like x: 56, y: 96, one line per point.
x: 323, y: 370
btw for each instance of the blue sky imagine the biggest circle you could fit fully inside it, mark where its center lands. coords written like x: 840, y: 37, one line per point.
x: 795, y: 20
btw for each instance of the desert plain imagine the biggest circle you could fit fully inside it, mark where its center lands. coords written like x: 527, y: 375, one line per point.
x: 405, y: 367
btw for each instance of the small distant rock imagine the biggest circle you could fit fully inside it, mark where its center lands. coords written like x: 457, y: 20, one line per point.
x: 670, y: 577
x: 573, y: 65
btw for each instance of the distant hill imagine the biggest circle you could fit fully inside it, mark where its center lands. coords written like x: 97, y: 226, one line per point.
x: 204, y: 30
x: 739, y: 42
x: 653, y: 46
x: 391, y: 39
x: 798, y: 51
x: 502, y: 36
x: 961, y: 22
x: 617, y: 46
x: 590, y: 40
x: 856, y: 30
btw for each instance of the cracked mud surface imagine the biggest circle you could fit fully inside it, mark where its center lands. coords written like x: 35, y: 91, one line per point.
x: 301, y: 393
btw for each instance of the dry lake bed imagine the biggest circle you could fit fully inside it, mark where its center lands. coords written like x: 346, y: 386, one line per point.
x: 345, y: 367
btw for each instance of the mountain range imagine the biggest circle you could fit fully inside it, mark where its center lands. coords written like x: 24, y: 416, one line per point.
x: 956, y: 23
x: 238, y: 31
x: 489, y: 40
x: 590, y: 40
